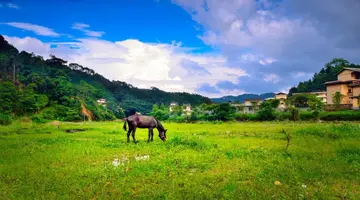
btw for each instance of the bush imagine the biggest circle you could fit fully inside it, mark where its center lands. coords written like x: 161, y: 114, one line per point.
x: 306, y: 116
x: 5, y: 120
x: 38, y: 119
x: 294, y: 114
x: 340, y: 116
x: 266, y: 114
x: 253, y: 117
x: 241, y: 117
x: 281, y: 116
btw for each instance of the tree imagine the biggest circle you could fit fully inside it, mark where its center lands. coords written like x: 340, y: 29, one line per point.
x: 315, y: 105
x: 8, y: 97
x: 155, y: 108
x: 337, y: 97
x: 274, y: 103
x: 294, y: 113
x: 225, y: 112
x: 299, y: 100
x: 266, y: 112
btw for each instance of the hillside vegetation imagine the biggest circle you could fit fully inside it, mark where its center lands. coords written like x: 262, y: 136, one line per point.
x: 54, y: 89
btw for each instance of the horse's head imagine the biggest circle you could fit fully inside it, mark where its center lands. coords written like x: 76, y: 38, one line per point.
x: 162, y: 135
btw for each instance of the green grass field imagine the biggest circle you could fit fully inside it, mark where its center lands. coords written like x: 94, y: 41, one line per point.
x: 198, y: 161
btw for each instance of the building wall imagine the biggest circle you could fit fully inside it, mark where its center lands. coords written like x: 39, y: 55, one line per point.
x: 345, y: 75
x: 281, y: 96
x: 356, y: 91
x: 355, y: 104
x: 332, y: 89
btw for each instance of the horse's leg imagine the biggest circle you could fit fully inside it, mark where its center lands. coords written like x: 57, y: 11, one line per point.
x: 128, y: 134
x: 149, y: 135
x: 152, y: 135
x: 133, y: 134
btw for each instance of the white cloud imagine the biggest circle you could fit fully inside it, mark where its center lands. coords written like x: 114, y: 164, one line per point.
x: 11, y: 5
x: 84, y: 28
x: 141, y: 64
x: 272, y: 78
x: 29, y: 44
x: 39, y: 30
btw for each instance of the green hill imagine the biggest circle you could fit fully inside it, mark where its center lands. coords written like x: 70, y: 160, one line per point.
x: 328, y: 73
x: 241, y: 98
x: 55, y: 89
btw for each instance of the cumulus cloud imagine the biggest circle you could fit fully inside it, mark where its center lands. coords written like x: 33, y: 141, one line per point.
x: 278, y: 43
x: 39, y: 30
x: 169, y: 67
x: 84, y: 28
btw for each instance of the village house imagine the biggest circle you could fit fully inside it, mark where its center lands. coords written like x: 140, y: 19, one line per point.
x: 251, y: 105
x: 321, y: 95
x: 186, y: 108
x: 172, y: 105
x: 282, y: 98
x: 101, y: 102
x: 348, y: 85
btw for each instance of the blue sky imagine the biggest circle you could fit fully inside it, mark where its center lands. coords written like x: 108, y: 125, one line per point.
x: 214, y: 48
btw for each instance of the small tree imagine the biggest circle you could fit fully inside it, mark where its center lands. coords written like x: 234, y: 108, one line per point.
x: 266, y: 112
x: 155, y: 108
x: 294, y: 113
x: 337, y: 97
x: 274, y: 103
x: 315, y: 105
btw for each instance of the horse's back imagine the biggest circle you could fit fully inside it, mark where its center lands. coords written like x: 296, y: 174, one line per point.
x: 142, y: 121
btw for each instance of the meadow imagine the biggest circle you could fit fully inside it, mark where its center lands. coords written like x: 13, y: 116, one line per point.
x: 248, y: 160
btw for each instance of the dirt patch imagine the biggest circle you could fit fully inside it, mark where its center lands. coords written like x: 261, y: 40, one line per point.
x: 86, y: 112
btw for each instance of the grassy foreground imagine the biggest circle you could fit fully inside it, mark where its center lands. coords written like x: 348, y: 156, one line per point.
x: 199, y: 161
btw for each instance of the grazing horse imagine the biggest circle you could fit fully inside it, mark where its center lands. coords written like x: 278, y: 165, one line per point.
x: 142, y: 121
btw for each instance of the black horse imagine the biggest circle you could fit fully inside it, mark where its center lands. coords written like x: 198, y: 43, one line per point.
x: 142, y: 121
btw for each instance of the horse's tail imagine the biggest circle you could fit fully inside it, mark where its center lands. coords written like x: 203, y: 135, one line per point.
x: 125, y: 124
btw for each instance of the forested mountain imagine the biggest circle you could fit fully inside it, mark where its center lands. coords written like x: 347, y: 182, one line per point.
x: 328, y: 73
x: 53, y: 88
x: 241, y: 98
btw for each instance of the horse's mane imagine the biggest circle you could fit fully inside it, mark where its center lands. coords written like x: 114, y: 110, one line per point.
x: 159, y: 125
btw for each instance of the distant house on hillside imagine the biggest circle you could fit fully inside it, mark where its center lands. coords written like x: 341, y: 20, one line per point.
x: 186, y: 107
x: 282, y: 98
x: 101, y: 102
x: 172, y: 105
x: 252, y: 105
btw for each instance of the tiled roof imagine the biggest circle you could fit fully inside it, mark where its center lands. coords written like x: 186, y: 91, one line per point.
x: 351, y: 69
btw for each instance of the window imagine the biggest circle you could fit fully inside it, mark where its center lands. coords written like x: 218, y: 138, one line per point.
x: 349, y: 90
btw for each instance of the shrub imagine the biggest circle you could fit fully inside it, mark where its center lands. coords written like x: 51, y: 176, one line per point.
x: 282, y: 116
x: 340, y: 116
x: 306, y: 115
x: 5, y: 120
x: 38, y: 119
x: 294, y: 114
x: 253, y: 117
x: 266, y: 114
x: 241, y: 117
